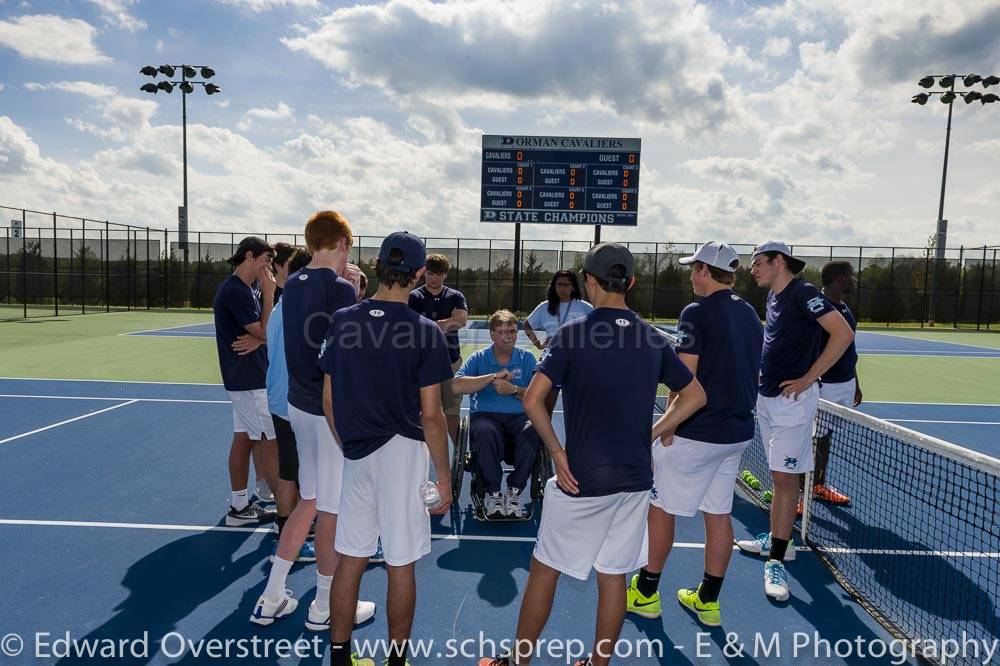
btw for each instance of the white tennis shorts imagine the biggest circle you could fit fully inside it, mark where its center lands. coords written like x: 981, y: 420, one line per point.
x: 381, y: 498
x: 251, y: 415
x: 787, y: 426
x: 321, y: 460
x: 606, y: 533
x: 689, y: 476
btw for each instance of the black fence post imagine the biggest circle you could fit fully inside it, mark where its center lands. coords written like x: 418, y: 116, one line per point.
x: 197, y: 277
x: 923, y: 310
x: 858, y: 295
x: 489, y: 276
x: 24, y: 262
x: 107, y: 266
x: 149, y: 284
x: 959, y: 289
x: 165, y: 262
x: 982, y: 286
x: 55, y: 265
x: 892, y: 268
x: 83, y: 267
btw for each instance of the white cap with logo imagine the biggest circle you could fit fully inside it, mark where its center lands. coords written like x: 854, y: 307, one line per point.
x: 717, y: 254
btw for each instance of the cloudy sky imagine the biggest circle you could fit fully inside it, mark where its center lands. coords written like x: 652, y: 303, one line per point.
x: 789, y: 119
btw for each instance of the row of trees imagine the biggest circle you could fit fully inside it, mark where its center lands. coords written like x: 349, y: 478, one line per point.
x: 890, y: 289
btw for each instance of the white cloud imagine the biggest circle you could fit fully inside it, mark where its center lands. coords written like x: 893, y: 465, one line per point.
x: 257, y: 6
x: 281, y: 112
x: 2, y: 87
x: 989, y: 147
x: 224, y: 104
x: 777, y: 46
x: 85, y: 88
x: 658, y: 63
x: 17, y: 150
x: 115, y: 14
x: 159, y: 46
x: 53, y: 38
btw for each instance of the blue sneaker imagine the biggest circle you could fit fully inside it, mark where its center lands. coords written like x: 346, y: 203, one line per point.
x: 307, y: 553
x: 775, y: 580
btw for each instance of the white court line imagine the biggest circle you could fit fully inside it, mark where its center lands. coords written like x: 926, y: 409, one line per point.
x: 84, y: 397
x: 947, y: 422
x: 61, y: 423
x: 916, y: 337
x: 108, y: 381
x: 167, y: 328
x: 169, y: 335
x: 268, y: 529
x: 942, y: 404
x: 986, y: 353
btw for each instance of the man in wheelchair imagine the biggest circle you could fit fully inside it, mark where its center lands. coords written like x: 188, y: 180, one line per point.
x: 496, y: 377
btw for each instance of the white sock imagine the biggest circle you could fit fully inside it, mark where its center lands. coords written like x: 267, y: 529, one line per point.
x: 323, y: 584
x: 240, y: 500
x: 275, y: 589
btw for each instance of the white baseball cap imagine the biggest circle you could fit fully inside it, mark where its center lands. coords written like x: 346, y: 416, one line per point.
x: 717, y: 254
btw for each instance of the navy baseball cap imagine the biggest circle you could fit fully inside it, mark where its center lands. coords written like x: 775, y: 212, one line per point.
x: 253, y: 244
x: 794, y: 265
x: 604, y: 256
x: 412, y: 248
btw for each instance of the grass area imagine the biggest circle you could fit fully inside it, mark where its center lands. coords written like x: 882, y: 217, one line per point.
x: 92, y: 347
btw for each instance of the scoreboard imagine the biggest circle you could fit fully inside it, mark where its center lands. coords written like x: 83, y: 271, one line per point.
x: 560, y: 180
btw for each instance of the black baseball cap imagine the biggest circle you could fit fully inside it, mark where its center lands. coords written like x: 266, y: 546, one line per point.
x: 603, y: 256
x: 253, y: 244
x: 412, y: 248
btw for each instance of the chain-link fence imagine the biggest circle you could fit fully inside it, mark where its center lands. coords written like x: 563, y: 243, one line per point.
x: 53, y: 264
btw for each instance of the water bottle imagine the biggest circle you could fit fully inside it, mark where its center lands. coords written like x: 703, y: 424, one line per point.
x: 429, y: 494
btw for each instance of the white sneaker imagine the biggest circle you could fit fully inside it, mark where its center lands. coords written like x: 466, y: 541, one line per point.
x: 267, y: 611
x: 512, y: 503
x: 775, y: 580
x: 761, y: 545
x: 263, y: 492
x: 317, y: 621
x: 493, y: 505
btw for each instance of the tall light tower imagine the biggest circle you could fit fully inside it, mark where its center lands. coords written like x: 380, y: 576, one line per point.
x: 186, y: 85
x: 948, y: 95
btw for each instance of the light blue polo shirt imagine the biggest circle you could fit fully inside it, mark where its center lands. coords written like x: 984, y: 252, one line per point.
x: 277, y: 369
x: 484, y: 362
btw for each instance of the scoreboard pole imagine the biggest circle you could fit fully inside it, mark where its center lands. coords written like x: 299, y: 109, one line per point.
x: 517, y: 267
x: 597, y: 234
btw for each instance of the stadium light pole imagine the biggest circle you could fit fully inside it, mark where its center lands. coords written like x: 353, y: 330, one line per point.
x: 186, y: 85
x: 948, y: 96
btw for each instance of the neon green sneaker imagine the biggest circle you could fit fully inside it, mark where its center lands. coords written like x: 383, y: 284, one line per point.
x: 636, y: 602
x: 708, y: 613
x: 361, y: 661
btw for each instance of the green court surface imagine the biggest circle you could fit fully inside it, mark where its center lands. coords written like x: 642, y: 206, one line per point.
x: 92, y: 347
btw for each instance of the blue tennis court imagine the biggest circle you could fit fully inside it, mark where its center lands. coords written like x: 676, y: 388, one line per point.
x: 112, y: 527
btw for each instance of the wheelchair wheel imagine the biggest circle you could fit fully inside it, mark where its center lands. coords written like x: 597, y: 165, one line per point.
x: 540, y: 474
x: 459, y: 459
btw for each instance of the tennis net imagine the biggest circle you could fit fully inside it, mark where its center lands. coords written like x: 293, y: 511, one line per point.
x: 918, y: 546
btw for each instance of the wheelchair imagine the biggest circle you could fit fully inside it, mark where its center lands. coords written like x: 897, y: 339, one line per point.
x: 464, y: 460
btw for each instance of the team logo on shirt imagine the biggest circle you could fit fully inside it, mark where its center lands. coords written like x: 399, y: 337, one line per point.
x: 790, y: 463
x: 734, y: 297
x: 623, y: 322
x: 815, y: 304
x: 303, y: 276
x: 376, y: 313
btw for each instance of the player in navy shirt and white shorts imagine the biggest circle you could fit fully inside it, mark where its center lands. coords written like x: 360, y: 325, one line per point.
x: 719, y: 339
x: 840, y: 383
x: 310, y: 298
x: 792, y: 361
x: 241, y: 316
x: 384, y: 366
x: 609, y: 363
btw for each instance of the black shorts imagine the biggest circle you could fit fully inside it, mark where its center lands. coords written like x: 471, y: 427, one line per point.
x: 288, y: 453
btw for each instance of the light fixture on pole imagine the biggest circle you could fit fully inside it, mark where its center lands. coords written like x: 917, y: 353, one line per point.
x: 948, y: 96
x: 186, y: 85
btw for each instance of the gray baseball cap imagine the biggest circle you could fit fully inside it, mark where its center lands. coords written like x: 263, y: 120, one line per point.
x: 603, y: 256
x: 794, y: 265
x: 717, y: 254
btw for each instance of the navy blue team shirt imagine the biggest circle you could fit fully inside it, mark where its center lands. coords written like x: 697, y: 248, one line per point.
x: 310, y: 297
x: 724, y: 332
x: 845, y: 369
x: 791, y: 334
x: 440, y: 306
x: 236, y: 304
x: 379, y: 354
x: 609, y: 363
